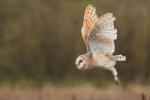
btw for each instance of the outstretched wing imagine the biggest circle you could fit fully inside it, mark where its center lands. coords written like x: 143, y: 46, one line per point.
x: 102, y: 36
x: 90, y: 18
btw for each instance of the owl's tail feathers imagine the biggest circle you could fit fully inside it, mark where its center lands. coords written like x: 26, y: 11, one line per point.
x: 119, y: 58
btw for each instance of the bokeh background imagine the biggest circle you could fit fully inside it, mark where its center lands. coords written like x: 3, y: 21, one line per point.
x: 40, y: 40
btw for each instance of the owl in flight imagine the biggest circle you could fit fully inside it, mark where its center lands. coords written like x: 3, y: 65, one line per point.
x: 99, y: 34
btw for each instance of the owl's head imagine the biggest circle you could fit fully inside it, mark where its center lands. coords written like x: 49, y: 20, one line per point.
x: 83, y: 62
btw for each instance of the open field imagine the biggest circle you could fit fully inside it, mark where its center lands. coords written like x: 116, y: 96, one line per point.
x: 74, y: 93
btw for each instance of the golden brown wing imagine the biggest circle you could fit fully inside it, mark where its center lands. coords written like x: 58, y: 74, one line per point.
x: 90, y: 18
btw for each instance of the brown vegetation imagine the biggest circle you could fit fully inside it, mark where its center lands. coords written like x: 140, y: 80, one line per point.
x: 74, y: 93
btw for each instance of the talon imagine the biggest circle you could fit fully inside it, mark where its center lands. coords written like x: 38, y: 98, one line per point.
x: 117, y: 81
x: 120, y: 58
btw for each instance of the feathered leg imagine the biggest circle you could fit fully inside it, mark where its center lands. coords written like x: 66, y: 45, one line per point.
x: 119, y: 58
x: 115, y: 75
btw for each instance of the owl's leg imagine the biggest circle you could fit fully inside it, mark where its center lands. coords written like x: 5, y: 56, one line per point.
x: 115, y: 75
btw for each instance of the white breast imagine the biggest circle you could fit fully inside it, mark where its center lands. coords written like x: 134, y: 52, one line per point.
x: 103, y: 61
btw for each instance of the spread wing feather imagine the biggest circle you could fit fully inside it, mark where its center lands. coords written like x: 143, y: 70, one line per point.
x: 105, y: 25
x: 102, y: 36
x: 90, y: 18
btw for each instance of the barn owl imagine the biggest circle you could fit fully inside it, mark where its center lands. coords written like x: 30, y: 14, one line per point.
x: 99, y: 34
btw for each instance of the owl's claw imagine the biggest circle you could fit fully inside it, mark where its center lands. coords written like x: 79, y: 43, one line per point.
x: 122, y: 58
x: 119, y: 58
x: 117, y: 81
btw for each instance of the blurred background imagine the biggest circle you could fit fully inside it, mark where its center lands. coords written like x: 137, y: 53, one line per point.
x: 40, y: 40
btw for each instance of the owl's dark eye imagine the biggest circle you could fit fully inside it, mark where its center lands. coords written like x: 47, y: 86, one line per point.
x: 80, y: 61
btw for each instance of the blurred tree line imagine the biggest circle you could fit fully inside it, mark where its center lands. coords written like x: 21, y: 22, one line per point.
x: 40, y: 39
